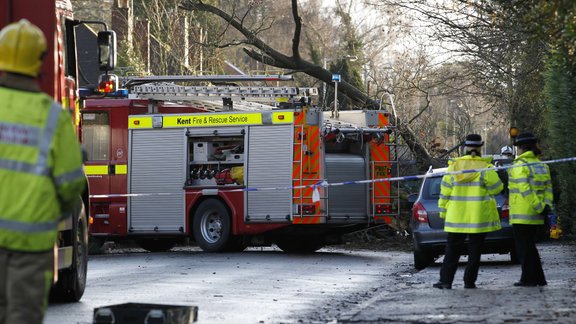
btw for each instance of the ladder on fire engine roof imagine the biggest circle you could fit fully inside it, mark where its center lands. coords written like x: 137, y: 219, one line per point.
x: 129, y: 82
x: 244, y: 98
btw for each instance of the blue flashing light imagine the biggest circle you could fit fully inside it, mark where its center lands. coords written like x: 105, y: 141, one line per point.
x: 121, y: 93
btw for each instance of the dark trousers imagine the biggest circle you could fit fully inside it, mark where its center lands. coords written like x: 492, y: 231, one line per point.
x: 525, y: 238
x: 454, y: 248
x: 25, y: 280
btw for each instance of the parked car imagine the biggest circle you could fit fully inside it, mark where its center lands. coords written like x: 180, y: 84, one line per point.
x: 427, y: 227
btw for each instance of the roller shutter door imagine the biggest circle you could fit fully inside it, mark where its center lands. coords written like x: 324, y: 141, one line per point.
x: 270, y: 166
x: 349, y: 202
x: 157, y: 165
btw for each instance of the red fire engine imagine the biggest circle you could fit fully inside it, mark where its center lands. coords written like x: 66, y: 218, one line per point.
x: 60, y: 80
x: 168, y: 162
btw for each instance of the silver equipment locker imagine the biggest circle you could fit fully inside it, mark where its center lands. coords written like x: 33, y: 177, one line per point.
x: 270, y: 150
x: 157, y: 165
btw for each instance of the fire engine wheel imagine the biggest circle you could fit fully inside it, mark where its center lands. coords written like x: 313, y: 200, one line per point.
x: 212, y: 227
x: 72, y: 281
x: 300, y: 244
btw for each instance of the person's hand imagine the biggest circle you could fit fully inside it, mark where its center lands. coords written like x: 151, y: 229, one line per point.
x: 546, y: 211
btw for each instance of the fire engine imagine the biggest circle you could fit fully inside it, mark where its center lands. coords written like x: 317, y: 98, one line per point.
x: 60, y: 80
x: 233, y: 166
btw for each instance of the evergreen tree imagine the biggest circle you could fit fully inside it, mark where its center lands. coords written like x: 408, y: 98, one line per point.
x: 560, y: 89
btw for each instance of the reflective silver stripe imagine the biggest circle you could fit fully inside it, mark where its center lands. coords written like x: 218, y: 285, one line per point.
x: 20, y: 166
x: 527, y: 217
x: 41, y: 166
x: 49, y: 130
x: 539, y: 207
x: 468, y: 184
x: 27, y: 227
x: 540, y: 183
x: 443, y: 197
x: 19, y: 134
x: 539, y: 169
x: 69, y: 176
x: 522, y: 180
x: 526, y: 193
x: 446, y: 184
x: 514, y: 190
x: 465, y: 198
x: 468, y: 225
x: 494, y: 186
x: 442, y: 210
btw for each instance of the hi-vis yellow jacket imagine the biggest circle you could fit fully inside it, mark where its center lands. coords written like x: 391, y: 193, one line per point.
x: 466, y: 200
x: 41, y: 172
x: 530, y: 190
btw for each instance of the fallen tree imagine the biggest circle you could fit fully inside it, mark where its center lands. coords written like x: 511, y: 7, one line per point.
x: 258, y: 50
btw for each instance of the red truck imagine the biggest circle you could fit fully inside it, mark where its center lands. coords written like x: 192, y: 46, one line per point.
x: 59, y: 78
x: 232, y: 166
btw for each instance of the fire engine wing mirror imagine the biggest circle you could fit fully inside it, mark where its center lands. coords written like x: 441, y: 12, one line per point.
x: 106, y: 50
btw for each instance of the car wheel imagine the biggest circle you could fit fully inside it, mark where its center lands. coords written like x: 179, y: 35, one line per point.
x: 422, y: 259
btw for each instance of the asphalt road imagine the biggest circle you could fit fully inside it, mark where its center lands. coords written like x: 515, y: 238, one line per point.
x: 332, y: 286
x: 255, y: 286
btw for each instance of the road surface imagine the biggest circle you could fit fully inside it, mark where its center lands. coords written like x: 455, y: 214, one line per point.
x: 331, y: 286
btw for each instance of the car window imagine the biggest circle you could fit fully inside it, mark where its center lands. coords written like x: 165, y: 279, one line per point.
x: 432, y: 188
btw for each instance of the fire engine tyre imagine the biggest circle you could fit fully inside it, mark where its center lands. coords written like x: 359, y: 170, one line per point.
x: 212, y: 228
x: 72, y: 281
x: 300, y: 244
x: 157, y: 244
x: 95, y: 244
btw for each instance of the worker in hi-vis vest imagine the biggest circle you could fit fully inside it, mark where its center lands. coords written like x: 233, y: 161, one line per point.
x: 41, y: 176
x: 531, y: 199
x: 468, y: 207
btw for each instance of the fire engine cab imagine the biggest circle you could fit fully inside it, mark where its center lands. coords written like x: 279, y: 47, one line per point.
x: 233, y: 166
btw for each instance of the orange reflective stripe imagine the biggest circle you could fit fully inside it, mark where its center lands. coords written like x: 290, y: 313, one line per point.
x: 383, y: 119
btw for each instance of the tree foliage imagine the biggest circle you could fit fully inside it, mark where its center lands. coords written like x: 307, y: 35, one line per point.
x: 555, y: 22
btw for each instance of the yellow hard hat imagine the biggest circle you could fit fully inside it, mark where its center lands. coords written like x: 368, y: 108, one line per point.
x: 22, y: 48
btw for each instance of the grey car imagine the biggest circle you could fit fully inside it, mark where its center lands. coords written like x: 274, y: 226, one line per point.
x: 427, y: 227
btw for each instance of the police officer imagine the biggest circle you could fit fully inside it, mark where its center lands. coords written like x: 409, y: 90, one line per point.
x: 469, y: 209
x: 41, y: 176
x: 530, y: 200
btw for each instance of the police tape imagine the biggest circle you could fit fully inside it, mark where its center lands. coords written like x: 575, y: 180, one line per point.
x: 324, y: 183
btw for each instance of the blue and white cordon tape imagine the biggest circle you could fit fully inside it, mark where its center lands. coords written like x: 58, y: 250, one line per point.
x: 324, y: 183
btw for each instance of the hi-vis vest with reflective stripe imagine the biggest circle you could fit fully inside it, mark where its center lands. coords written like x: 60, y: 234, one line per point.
x: 40, y: 169
x: 530, y: 190
x: 466, y: 200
